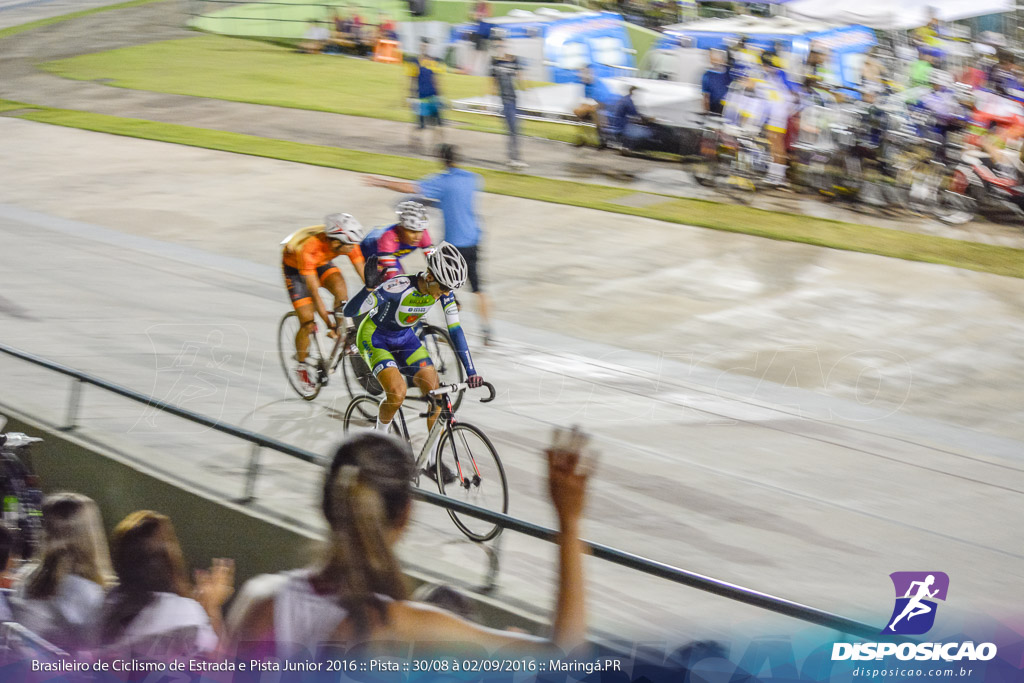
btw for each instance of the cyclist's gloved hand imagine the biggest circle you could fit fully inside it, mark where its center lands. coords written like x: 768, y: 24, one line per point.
x: 372, y: 273
x: 475, y: 381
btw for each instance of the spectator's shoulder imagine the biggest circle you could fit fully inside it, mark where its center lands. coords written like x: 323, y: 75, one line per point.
x: 262, y: 587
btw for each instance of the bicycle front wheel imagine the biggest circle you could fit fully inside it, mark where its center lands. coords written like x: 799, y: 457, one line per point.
x: 286, y: 332
x: 466, y: 451
x: 361, y: 413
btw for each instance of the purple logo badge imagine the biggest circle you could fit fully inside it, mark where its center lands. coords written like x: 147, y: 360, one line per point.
x: 916, y: 593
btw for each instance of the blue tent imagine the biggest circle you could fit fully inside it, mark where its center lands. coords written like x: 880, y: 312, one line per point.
x: 570, y: 41
x: 846, y: 45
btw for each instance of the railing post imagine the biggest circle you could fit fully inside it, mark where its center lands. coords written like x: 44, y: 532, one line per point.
x: 250, y: 477
x: 493, y: 565
x: 73, y: 401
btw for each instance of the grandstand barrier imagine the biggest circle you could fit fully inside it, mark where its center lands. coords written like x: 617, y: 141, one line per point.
x: 67, y: 461
x: 613, y: 555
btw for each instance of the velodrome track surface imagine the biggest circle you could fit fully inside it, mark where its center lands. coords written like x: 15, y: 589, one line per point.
x: 797, y: 420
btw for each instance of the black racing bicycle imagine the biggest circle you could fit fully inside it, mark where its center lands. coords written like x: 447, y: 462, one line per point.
x: 463, y: 451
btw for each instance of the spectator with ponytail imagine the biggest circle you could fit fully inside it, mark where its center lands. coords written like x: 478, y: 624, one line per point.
x: 60, y: 596
x: 356, y: 592
x: 154, y: 597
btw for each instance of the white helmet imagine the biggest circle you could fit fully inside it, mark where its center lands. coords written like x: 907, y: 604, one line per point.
x: 412, y: 216
x: 343, y: 227
x: 447, y: 266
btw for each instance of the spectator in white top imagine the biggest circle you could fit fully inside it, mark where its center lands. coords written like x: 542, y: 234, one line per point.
x: 59, y: 599
x: 357, y: 590
x: 154, y: 597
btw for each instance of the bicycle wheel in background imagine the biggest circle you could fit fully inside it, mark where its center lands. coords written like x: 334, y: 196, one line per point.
x: 443, y: 355
x: 359, y: 380
x: 706, y: 169
x: 466, y: 451
x: 286, y: 332
x: 361, y: 413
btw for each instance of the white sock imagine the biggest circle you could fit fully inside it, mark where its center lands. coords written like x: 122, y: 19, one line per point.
x: 383, y: 426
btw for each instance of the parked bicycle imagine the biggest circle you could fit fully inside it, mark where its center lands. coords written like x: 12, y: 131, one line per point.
x: 463, y: 449
x: 733, y: 160
x: 358, y: 378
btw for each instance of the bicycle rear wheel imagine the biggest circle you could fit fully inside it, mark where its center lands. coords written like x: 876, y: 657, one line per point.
x: 286, y: 332
x: 444, y: 357
x: 358, y: 377
x: 468, y: 452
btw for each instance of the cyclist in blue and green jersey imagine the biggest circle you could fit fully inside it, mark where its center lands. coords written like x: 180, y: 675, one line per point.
x: 388, y: 341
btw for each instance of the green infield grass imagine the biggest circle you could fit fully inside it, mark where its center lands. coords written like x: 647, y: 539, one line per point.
x: 253, y: 71
x: 289, y: 18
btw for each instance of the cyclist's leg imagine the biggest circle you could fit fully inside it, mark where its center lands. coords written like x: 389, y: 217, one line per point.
x: 335, y: 284
x: 307, y: 323
x: 375, y: 346
x: 390, y: 377
x: 302, y: 301
x: 426, y: 379
x: 414, y: 360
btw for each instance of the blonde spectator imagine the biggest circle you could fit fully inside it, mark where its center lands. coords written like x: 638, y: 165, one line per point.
x: 59, y: 598
x: 154, y: 596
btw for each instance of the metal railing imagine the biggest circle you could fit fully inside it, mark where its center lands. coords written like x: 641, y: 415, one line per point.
x: 603, y: 552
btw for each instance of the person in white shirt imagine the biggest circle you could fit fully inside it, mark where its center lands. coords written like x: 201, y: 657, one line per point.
x: 154, y: 597
x: 59, y: 597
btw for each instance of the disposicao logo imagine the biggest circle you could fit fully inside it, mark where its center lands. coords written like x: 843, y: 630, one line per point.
x: 916, y: 593
x: 914, y: 614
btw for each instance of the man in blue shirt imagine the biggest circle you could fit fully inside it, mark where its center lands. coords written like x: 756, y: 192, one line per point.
x: 626, y: 125
x: 507, y: 72
x: 455, y: 189
x: 715, y: 83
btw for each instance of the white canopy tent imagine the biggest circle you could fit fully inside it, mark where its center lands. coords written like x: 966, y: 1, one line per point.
x: 887, y: 15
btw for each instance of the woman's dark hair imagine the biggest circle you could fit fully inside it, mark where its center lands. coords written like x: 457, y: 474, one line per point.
x: 73, y: 544
x: 367, y: 494
x: 147, y: 559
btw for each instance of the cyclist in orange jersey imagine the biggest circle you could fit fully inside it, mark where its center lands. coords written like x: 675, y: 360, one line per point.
x: 307, y: 262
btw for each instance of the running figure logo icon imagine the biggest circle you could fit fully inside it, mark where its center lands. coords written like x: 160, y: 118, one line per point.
x: 916, y: 592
